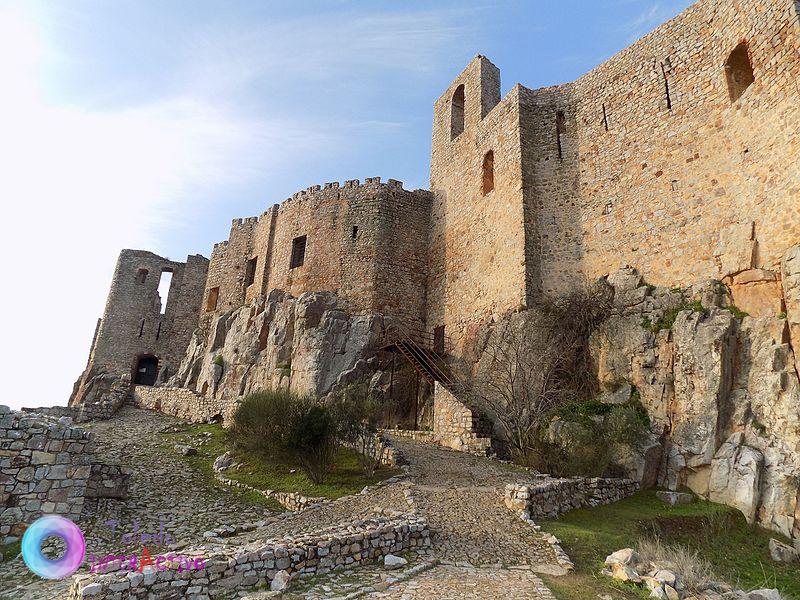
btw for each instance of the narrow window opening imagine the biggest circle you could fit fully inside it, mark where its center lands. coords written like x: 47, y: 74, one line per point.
x: 158, y: 331
x: 666, y: 86
x: 164, y: 288
x: 141, y: 275
x: 354, y: 232
x: 141, y: 328
x: 213, y: 298
x: 457, y: 112
x: 488, y: 172
x: 250, y: 271
x: 739, y: 71
x: 561, y: 129
x: 605, y: 117
x: 438, y: 339
x: 298, y: 252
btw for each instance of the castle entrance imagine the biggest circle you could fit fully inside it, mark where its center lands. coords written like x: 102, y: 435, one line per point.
x: 146, y: 370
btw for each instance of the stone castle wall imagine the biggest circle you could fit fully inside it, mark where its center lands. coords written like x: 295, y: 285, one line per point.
x: 44, y: 468
x: 645, y: 160
x: 366, y: 242
x: 477, y: 243
x: 133, y: 324
x: 657, y: 159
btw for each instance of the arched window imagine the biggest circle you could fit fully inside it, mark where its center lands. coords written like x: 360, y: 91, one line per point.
x: 488, y: 172
x: 141, y: 275
x: 457, y: 113
x: 739, y: 71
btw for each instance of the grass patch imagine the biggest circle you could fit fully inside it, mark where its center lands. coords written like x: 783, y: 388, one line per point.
x: 264, y: 471
x: 737, y: 312
x: 668, y: 319
x: 737, y: 553
x: 10, y: 551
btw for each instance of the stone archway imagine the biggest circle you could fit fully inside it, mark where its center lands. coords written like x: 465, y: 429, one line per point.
x: 146, y: 370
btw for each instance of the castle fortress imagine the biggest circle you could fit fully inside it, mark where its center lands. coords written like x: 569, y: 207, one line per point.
x: 678, y: 155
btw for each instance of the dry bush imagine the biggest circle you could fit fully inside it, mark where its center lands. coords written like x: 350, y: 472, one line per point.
x: 691, y: 569
x: 538, y: 360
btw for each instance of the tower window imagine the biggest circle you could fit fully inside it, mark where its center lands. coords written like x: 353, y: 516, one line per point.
x: 739, y: 71
x: 141, y: 275
x: 561, y: 129
x: 488, y: 172
x: 250, y: 271
x: 298, y: 252
x: 354, y: 232
x: 457, y: 112
x: 164, y: 288
x: 213, y: 298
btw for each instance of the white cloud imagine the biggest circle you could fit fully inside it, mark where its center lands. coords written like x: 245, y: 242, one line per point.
x: 78, y: 184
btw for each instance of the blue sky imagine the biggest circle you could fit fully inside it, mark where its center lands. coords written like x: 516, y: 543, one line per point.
x: 151, y: 125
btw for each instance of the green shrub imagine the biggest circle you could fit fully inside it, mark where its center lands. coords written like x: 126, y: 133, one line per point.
x: 313, y: 441
x: 589, y: 449
x: 219, y: 361
x: 357, y: 415
x: 737, y: 312
x: 264, y: 421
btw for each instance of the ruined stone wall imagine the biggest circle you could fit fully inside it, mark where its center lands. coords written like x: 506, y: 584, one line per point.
x: 133, y: 324
x: 44, y: 468
x: 657, y: 161
x: 366, y: 242
x: 476, y: 255
x: 551, y: 497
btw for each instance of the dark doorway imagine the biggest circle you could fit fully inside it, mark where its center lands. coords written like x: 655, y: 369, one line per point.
x: 146, y: 371
x: 438, y: 339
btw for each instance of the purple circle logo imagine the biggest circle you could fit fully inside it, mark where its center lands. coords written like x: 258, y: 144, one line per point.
x: 43, y: 528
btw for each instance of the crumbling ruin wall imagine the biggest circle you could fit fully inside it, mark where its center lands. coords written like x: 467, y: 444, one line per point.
x: 45, y: 465
x: 133, y: 324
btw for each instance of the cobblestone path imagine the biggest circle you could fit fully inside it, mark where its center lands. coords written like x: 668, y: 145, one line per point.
x: 164, y: 494
x: 479, y: 548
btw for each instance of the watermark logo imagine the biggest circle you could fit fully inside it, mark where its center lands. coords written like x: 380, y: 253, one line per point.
x: 49, y: 526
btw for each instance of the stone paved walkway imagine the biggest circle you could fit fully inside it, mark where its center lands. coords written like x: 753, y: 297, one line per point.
x: 163, y: 490
x: 479, y: 548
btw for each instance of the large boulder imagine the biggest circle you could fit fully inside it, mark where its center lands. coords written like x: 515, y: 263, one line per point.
x: 736, y: 476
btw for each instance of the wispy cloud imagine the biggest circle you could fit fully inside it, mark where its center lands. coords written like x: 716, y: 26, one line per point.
x: 651, y: 15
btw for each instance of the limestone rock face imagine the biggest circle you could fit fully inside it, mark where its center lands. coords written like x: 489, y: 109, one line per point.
x: 303, y: 344
x: 790, y: 273
x: 736, y: 476
x: 721, y: 389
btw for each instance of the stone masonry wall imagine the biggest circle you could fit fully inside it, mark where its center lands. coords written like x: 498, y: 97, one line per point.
x: 183, y: 403
x: 655, y: 182
x: 133, y: 324
x: 455, y: 425
x: 366, y: 242
x: 44, y: 468
x: 476, y: 247
x: 243, y: 568
x: 550, y: 497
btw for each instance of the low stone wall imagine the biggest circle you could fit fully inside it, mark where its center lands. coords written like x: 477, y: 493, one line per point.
x: 246, y: 567
x: 550, y: 497
x: 108, y: 481
x: 455, y: 426
x: 182, y: 403
x: 44, y: 467
x: 108, y: 404
x: 290, y: 500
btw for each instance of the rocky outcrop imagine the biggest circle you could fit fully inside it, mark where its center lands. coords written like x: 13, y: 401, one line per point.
x: 720, y: 385
x: 306, y: 345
